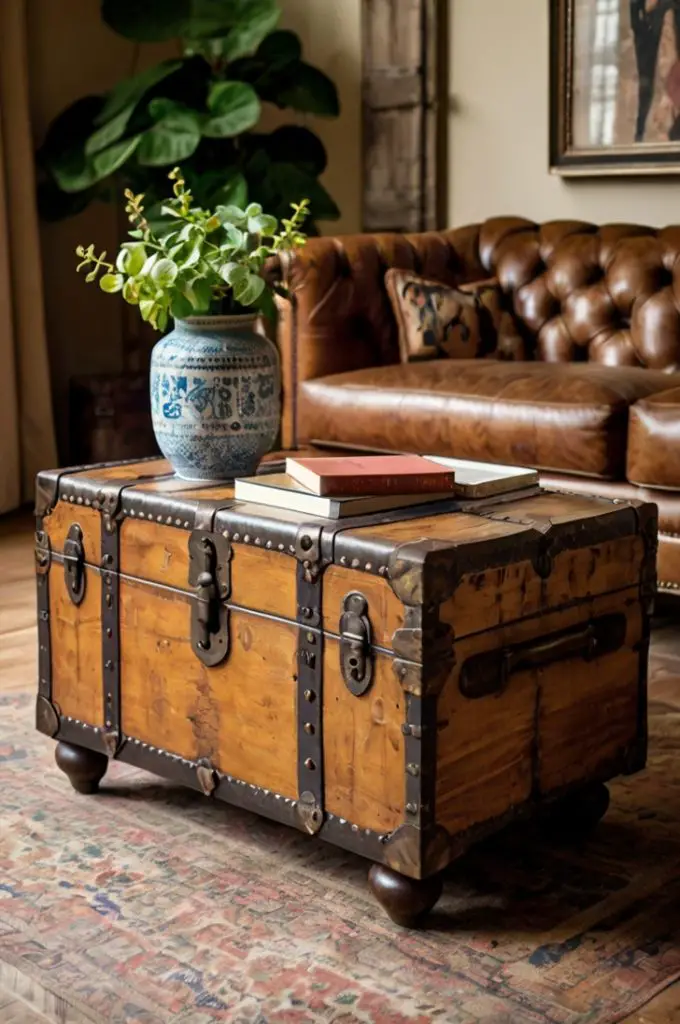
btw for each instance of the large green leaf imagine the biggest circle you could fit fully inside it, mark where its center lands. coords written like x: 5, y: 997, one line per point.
x: 245, y: 37
x: 234, y: 192
x: 170, y: 141
x: 279, y: 48
x: 110, y: 131
x: 291, y: 184
x: 212, y: 19
x: 109, y: 160
x: 73, y: 171
x: 173, y: 138
x: 235, y: 107
x: 147, y: 21
x: 295, y: 144
x: 131, y: 90
x: 308, y: 90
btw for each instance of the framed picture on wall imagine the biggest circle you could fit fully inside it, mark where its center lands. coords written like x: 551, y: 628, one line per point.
x: 615, y: 87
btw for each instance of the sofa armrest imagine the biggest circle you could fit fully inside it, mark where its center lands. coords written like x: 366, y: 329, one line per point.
x: 339, y: 317
x: 653, y: 454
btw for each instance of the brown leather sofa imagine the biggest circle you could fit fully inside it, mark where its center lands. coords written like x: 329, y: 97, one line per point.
x: 597, y: 405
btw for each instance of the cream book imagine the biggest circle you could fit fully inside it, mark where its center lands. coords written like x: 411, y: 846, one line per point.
x: 279, y: 490
x: 485, y: 479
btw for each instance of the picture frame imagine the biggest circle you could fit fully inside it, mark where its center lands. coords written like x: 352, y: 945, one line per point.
x: 614, y: 87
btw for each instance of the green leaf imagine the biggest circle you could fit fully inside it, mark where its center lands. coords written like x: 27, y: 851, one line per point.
x: 259, y: 19
x: 295, y: 144
x: 73, y: 172
x: 231, y: 215
x: 147, y: 308
x: 249, y: 291
x: 263, y: 224
x: 199, y: 294
x: 131, y: 258
x: 148, y: 265
x: 253, y: 210
x: 164, y: 272
x: 170, y: 141
x: 181, y: 307
x: 111, y: 282
x: 236, y: 108
x: 131, y: 90
x: 131, y: 291
x: 235, y: 237
x: 308, y: 90
x: 292, y: 183
x: 234, y: 273
x: 279, y: 48
x: 109, y: 160
x: 234, y: 192
x: 110, y: 132
x: 162, y: 320
x: 147, y: 21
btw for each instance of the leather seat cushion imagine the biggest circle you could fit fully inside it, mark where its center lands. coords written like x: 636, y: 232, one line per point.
x: 654, y: 440
x: 571, y: 418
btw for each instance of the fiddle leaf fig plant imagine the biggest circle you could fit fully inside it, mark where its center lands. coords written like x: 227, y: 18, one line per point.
x: 200, y: 108
x: 194, y: 261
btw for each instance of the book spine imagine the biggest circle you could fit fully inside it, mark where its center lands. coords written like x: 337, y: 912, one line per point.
x: 345, y: 487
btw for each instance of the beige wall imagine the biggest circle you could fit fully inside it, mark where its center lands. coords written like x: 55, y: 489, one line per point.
x: 71, y: 54
x: 498, y: 157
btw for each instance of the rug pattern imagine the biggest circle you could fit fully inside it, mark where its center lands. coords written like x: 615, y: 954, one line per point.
x: 149, y: 903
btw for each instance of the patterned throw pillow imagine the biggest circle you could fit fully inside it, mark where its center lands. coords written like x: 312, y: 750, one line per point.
x: 437, y: 321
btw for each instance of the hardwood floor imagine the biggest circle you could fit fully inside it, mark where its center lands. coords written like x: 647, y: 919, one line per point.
x: 18, y: 671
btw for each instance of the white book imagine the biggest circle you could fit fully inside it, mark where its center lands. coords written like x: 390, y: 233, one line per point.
x: 485, y: 479
x: 278, y: 490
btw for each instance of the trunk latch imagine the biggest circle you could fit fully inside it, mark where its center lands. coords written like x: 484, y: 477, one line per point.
x: 355, y: 644
x: 209, y: 556
x: 74, y: 564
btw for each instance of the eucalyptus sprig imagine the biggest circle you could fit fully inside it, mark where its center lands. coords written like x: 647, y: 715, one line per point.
x: 194, y: 261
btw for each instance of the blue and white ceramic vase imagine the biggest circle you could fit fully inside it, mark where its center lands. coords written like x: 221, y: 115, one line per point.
x: 215, y: 396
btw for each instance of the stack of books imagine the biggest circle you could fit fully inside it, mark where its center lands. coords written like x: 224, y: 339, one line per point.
x: 333, y: 488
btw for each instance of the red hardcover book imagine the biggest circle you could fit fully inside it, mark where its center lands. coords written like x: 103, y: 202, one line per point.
x: 371, y: 474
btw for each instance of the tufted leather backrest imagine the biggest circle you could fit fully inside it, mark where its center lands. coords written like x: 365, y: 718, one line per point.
x: 609, y: 294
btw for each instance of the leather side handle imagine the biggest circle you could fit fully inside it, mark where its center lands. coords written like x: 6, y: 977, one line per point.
x: 489, y: 672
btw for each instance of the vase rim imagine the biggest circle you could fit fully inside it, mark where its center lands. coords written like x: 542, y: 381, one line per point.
x: 219, y: 320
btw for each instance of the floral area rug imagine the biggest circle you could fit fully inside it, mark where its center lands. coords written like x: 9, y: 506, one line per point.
x: 148, y: 903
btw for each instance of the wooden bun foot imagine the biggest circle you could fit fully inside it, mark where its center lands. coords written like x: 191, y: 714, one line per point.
x: 406, y: 900
x: 85, y: 768
x: 573, y: 817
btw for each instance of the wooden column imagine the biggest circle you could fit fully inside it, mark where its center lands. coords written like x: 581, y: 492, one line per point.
x: 404, y: 108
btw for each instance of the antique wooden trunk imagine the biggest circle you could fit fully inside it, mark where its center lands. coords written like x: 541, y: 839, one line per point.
x: 398, y: 685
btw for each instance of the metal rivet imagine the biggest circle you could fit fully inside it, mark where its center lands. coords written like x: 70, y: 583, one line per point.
x: 413, y: 769
x: 311, y: 639
x: 257, y: 541
x: 269, y: 545
x: 109, y: 600
x: 108, y: 723
x: 169, y: 520
x: 178, y: 522
x: 109, y: 632
x: 246, y: 538
x: 187, y: 525
x: 237, y: 536
x: 343, y: 560
x: 309, y: 763
x: 80, y: 500
x: 108, y: 664
x: 310, y: 696
x: 368, y: 566
x: 132, y: 512
x: 309, y: 728
x: 291, y: 548
x: 306, y: 543
x: 280, y: 546
x: 382, y: 571
x: 159, y: 519
x: 355, y: 563
x: 225, y: 534
x: 411, y: 808
x: 107, y: 560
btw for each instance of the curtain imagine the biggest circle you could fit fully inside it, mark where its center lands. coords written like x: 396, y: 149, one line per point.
x: 26, y: 427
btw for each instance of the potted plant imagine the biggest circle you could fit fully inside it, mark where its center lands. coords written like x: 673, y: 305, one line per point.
x: 215, y: 381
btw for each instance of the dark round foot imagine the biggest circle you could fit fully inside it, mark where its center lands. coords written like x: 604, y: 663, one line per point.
x: 85, y: 768
x: 406, y: 900
x: 576, y: 815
